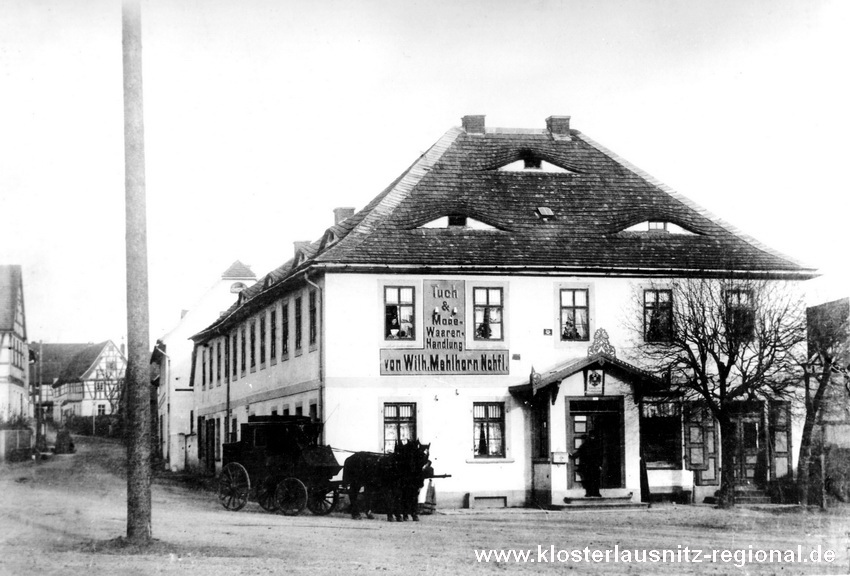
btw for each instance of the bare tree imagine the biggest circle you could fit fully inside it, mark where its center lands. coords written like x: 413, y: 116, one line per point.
x: 824, y: 370
x: 720, y: 342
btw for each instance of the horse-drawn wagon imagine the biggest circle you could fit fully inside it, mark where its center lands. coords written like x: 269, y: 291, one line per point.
x: 278, y: 462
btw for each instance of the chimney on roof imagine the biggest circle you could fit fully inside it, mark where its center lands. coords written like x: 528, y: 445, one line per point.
x: 299, y: 244
x: 559, y: 127
x: 474, y: 124
x: 341, y: 214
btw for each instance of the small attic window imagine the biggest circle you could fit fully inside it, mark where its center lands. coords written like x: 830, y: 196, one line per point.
x: 658, y: 227
x: 457, y: 220
x: 545, y: 213
x: 530, y: 162
x: 237, y: 287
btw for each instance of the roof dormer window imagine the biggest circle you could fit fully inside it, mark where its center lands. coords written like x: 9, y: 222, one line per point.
x: 457, y: 220
x: 658, y: 227
x: 529, y: 161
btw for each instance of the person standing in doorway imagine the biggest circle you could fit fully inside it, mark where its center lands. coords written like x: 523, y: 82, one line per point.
x: 589, y: 464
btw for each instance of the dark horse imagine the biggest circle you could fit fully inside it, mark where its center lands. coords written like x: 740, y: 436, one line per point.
x: 390, y: 482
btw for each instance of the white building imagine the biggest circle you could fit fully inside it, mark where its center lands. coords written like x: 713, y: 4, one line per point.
x: 171, y: 366
x: 477, y: 303
x: 14, y: 351
x: 91, y: 383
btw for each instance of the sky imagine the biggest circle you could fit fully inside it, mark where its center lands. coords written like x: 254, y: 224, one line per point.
x: 261, y: 117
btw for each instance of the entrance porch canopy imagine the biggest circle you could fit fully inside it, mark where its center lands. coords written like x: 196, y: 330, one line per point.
x: 642, y: 382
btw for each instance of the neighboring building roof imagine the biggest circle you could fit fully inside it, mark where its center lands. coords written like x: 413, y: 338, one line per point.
x: 593, y: 198
x: 76, y: 368
x: 10, y: 284
x: 238, y: 271
x: 53, y: 359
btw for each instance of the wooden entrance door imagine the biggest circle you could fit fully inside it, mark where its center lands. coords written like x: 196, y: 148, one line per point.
x: 750, y: 451
x: 605, y: 417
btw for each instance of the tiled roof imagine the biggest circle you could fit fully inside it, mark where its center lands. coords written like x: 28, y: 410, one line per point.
x: 80, y: 363
x: 594, y: 201
x: 10, y: 283
x: 592, y: 206
x: 54, y: 358
x: 238, y: 270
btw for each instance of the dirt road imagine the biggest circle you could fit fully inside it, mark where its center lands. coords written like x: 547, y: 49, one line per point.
x: 58, y: 517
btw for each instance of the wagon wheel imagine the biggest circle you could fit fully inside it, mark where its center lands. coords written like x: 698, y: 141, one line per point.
x: 265, y: 495
x: 323, y: 500
x: 290, y: 496
x: 233, y: 486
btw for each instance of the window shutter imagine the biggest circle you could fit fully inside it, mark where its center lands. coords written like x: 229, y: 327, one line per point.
x: 695, y: 454
x: 780, y: 439
x: 701, y: 444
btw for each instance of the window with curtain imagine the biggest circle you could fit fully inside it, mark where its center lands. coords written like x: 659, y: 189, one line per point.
x: 488, y: 307
x: 488, y: 419
x: 399, y: 321
x: 399, y: 423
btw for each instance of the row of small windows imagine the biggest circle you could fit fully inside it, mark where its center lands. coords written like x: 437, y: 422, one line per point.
x: 257, y: 340
x: 18, y: 357
x: 488, y: 304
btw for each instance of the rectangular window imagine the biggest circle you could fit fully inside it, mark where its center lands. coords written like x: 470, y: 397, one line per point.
x: 253, y: 332
x: 488, y: 313
x: 218, y: 362
x: 657, y: 315
x: 101, y: 409
x: 284, y: 330
x: 235, y: 348
x: 661, y: 434
x: 226, y: 356
x: 204, y: 369
x: 212, y: 349
x: 488, y: 427
x: 399, y: 323
x: 399, y: 424
x: 574, y: 315
x: 218, y: 438
x: 314, y: 411
x: 262, y: 339
x: 242, y: 348
x: 312, y: 316
x: 298, y: 323
x: 191, y: 421
x: 740, y: 314
x: 273, y: 335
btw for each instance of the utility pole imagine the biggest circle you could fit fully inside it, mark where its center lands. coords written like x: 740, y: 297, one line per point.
x: 138, y: 428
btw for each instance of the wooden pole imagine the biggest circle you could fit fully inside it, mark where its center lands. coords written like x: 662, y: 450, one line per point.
x: 137, y: 377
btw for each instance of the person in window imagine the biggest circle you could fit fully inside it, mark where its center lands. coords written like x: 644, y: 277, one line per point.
x: 589, y: 464
x: 570, y: 331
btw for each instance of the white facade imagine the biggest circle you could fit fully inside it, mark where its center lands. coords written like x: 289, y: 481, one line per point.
x: 96, y: 390
x: 14, y: 351
x: 173, y: 359
x: 339, y: 378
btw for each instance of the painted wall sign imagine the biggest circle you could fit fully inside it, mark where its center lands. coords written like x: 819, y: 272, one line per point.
x: 444, y: 339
